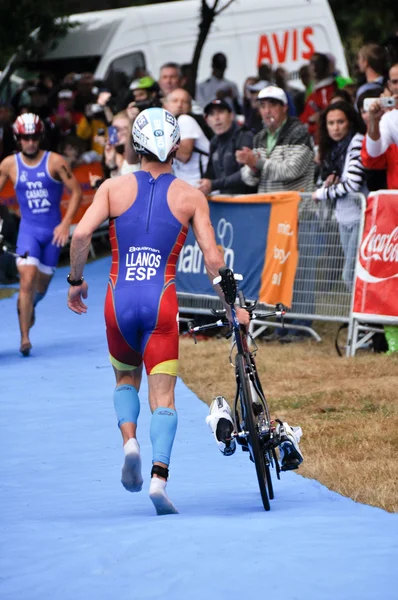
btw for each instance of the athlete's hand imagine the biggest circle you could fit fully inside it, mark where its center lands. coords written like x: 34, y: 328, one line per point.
x: 204, y: 186
x: 246, y: 156
x: 75, y: 295
x: 60, y: 234
x: 243, y: 317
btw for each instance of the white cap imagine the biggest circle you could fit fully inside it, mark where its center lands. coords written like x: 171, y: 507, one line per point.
x: 273, y: 92
x: 257, y: 87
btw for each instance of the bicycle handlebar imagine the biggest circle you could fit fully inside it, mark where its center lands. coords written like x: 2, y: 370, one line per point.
x: 227, y: 281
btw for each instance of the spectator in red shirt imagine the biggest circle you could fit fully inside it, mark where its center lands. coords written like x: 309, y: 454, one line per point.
x: 65, y: 117
x: 324, y: 88
x: 389, y: 159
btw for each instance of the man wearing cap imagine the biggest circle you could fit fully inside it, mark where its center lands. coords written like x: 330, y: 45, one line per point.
x: 223, y: 171
x: 251, y: 111
x: 217, y: 87
x: 282, y: 156
x: 145, y: 92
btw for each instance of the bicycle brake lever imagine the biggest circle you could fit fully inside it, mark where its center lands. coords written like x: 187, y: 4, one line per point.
x: 191, y: 325
x: 281, y: 309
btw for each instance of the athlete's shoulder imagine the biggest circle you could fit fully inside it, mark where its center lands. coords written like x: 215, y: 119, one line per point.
x: 182, y: 188
x: 122, y: 182
x: 59, y: 168
x: 7, y: 163
x: 56, y: 159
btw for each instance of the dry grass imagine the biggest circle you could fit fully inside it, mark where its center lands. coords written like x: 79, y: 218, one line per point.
x: 347, y: 408
x: 7, y: 292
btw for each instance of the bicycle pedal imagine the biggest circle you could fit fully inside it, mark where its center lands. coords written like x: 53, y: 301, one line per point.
x: 257, y: 408
x: 291, y: 466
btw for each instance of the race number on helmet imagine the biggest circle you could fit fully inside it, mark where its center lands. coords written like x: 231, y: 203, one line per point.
x: 28, y: 124
x: 156, y: 131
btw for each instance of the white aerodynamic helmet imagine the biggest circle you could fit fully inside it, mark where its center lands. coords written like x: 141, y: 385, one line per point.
x: 156, y: 131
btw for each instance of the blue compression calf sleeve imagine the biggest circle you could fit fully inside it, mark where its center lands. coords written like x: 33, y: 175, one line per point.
x: 163, y: 429
x: 38, y: 297
x: 127, y: 404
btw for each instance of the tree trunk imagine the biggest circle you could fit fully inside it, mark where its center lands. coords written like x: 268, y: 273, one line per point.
x: 208, y: 14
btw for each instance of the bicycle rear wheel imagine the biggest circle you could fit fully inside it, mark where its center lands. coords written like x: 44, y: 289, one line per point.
x: 250, y: 426
x: 258, y: 397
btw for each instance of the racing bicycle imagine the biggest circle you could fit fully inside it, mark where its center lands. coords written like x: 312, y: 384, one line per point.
x: 254, y: 430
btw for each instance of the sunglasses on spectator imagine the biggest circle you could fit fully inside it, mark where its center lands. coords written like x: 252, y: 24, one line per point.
x: 26, y: 137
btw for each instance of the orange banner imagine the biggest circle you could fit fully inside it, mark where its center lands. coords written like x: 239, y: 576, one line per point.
x: 277, y: 278
x: 258, y: 234
x: 8, y: 197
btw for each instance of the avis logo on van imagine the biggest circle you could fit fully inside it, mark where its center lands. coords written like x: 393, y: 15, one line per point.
x: 291, y: 45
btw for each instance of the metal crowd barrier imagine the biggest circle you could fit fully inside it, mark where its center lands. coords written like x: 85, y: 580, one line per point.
x: 319, y: 291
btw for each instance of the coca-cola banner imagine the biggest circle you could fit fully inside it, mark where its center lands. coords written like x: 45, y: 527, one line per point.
x: 376, y: 285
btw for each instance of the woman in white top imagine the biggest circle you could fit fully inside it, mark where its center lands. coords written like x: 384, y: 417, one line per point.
x: 341, y: 132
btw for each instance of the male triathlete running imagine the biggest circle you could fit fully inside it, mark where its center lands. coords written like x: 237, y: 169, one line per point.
x: 38, y: 177
x: 150, y: 212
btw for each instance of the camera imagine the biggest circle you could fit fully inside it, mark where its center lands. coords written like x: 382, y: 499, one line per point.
x: 386, y: 102
x: 113, y: 137
x: 96, y: 109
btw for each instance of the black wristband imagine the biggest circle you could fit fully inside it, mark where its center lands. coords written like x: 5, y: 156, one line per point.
x: 98, y: 183
x: 74, y: 282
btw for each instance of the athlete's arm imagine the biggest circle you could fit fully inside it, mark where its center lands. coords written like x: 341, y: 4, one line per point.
x: 95, y: 215
x: 64, y: 174
x: 204, y: 234
x: 4, y: 170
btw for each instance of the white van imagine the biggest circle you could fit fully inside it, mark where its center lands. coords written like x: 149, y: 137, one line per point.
x: 249, y: 32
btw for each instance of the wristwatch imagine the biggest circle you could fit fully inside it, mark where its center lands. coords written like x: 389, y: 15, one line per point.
x: 74, y: 282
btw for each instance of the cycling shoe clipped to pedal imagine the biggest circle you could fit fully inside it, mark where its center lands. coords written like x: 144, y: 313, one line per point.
x: 290, y: 454
x: 221, y: 424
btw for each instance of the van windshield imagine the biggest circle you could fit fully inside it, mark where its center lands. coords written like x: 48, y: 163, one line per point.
x: 60, y: 66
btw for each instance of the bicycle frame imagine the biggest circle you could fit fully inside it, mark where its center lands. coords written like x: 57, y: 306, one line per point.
x: 253, y: 428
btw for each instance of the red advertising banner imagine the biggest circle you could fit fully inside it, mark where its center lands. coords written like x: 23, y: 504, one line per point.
x: 376, y: 285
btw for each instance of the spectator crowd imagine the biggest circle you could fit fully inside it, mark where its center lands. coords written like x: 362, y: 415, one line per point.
x: 320, y: 138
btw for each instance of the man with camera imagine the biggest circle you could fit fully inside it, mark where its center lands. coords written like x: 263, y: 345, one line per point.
x: 388, y: 160
x: 383, y: 119
x: 380, y: 150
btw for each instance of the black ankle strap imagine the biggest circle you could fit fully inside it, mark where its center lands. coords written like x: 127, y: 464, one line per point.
x: 160, y: 471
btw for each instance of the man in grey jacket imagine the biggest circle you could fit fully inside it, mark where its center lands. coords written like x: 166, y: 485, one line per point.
x: 283, y: 157
x: 223, y: 171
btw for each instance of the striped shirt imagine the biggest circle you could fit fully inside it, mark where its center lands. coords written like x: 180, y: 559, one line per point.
x: 290, y: 164
x: 352, y: 180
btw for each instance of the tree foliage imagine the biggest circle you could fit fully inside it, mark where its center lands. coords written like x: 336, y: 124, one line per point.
x: 19, y: 19
x: 361, y: 21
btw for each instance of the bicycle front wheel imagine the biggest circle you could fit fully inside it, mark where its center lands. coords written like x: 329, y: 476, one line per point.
x: 250, y: 426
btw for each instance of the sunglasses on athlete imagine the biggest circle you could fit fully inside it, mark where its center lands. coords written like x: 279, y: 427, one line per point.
x: 26, y: 137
